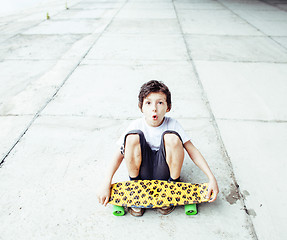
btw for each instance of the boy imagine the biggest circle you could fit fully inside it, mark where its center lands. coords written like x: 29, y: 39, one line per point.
x: 153, y: 147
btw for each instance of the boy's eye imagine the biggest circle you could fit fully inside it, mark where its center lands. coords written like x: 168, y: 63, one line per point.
x: 160, y: 102
x: 148, y: 103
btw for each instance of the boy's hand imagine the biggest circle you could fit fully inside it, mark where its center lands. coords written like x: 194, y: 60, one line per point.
x: 104, y: 195
x: 212, y: 189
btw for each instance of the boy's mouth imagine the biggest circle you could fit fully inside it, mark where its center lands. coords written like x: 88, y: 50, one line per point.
x: 154, y: 117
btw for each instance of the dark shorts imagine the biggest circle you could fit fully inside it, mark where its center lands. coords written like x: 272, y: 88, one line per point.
x: 154, y: 165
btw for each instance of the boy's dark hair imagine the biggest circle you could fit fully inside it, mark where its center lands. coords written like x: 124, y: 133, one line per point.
x: 154, y: 86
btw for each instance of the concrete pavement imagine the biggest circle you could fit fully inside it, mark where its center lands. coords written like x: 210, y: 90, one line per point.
x: 69, y: 87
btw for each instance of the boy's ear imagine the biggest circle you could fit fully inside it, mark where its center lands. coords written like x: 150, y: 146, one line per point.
x: 168, y: 110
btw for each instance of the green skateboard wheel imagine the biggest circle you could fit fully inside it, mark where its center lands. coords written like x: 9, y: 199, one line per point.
x: 190, y: 209
x: 118, y: 210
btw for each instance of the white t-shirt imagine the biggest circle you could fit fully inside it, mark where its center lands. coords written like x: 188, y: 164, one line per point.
x: 153, y: 134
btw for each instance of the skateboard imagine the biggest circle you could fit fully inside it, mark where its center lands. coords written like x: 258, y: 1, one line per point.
x: 157, y: 194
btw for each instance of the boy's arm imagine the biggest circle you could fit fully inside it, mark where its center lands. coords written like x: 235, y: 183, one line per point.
x: 104, y: 193
x: 199, y: 161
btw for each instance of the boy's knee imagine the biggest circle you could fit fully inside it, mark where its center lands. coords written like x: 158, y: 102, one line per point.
x: 132, y: 140
x: 172, y: 140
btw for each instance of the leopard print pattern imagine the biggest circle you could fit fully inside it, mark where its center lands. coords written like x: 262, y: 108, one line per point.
x: 157, y: 193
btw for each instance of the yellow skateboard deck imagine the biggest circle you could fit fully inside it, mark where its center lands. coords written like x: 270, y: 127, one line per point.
x: 157, y: 193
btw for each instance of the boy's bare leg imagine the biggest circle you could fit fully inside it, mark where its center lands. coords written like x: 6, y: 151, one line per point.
x: 133, y: 155
x: 133, y: 159
x: 174, y: 154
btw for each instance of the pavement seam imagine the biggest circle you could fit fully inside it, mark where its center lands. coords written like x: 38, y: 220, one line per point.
x: 38, y: 113
x: 218, y: 134
x: 251, y: 120
x: 134, y: 118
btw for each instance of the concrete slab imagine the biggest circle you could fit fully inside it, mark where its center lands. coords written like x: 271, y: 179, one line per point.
x: 248, y: 5
x: 96, y: 5
x: 40, y: 83
x: 38, y: 16
x: 149, y: 5
x: 80, y: 48
x: 12, y: 128
x: 87, y: 14
x: 26, y: 84
x: 247, y: 90
x: 219, y: 22
x: 7, y: 19
x: 13, y: 28
x: 272, y: 16
x: 272, y: 28
x: 139, y: 47
x: 96, y: 81
x: 144, y: 26
x: 58, y: 176
x: 15, y: 82
x: 198, y: 5
x: 194, y: 1
x: 81, y: 26
x: 37, y: 46
x: 272, y: 23
x: 235, y: 48
x: 152, y: 13
x: 259, y: 161
x: 18, y: 9
x: 276, y: 3
x: 153, y: 1
x: 40, y: 13
x: 282, y: 6
x: 5, y: 37
x: 281, y: 40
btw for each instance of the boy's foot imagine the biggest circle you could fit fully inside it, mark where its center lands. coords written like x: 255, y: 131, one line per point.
x: 166, y: 210
x: 136, y: 212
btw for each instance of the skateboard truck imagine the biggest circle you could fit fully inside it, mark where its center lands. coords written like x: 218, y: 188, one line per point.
x: 190, y: 209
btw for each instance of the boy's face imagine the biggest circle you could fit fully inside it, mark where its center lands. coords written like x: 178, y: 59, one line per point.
x: 154, y: 108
